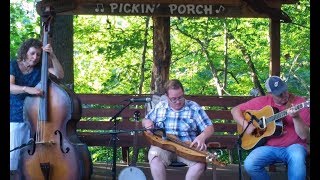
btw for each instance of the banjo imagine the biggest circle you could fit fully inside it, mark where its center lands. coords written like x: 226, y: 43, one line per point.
x: 132, y: 172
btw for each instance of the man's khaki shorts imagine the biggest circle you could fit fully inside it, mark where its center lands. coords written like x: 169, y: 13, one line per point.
x: 166, y: 156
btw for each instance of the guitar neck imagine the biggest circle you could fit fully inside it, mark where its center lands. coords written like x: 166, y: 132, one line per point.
x: 285, y: 112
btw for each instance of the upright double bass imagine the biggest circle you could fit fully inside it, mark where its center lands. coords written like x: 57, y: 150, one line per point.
x: 56, y: 153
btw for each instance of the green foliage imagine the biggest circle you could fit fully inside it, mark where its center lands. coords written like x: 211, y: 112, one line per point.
x: 295, y: 59
x: 116, y: 60
x: 24, y: 24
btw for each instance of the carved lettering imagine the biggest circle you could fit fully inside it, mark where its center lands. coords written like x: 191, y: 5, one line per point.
x: 170, y: 9
x: 113, y: 7
x: 208, y: 9
x: 133, y: 8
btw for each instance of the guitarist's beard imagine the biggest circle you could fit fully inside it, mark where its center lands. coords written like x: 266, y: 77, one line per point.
x: 282, y: 99
x: 281, y: 104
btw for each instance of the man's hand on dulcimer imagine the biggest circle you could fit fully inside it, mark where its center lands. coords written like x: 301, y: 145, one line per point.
x: 199, y: 143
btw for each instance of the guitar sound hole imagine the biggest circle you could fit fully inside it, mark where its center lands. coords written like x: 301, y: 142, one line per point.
x: 258, y: 132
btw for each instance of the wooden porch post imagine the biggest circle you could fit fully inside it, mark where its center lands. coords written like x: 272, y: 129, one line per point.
x: 62, y: 43
x: 274, y: 31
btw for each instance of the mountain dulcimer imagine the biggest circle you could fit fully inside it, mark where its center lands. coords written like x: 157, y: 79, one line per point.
x: 183, y: 149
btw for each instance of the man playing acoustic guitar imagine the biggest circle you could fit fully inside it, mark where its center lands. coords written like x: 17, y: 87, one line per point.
x: 278, y: 132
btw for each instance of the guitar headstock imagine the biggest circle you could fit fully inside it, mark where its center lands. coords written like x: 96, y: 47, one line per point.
x: 307, y: 104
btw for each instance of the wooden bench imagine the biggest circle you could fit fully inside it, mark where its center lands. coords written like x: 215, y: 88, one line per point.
x: 95, y: 126
x: 97, y: 109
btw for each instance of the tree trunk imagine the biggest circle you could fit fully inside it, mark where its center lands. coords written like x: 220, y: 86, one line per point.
x: 161, y: 54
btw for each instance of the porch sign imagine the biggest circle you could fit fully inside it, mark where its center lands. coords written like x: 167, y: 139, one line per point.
x: 160, y: 9
x: 152, y: 8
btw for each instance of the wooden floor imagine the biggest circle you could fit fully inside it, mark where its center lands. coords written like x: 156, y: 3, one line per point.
x: 230, y: 172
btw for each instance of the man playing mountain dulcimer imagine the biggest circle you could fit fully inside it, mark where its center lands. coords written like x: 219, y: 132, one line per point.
x: 290, y: 145
x: 184, y: 119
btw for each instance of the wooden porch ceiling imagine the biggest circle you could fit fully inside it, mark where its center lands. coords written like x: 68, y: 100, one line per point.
x: 198, y: 8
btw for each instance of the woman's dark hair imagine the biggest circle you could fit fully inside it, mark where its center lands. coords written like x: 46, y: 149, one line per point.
x: 25, y: 46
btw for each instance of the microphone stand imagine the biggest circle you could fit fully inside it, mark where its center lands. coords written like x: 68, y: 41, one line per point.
x: 114, y: 141
x: 23, y: 145
x: 239, y: 142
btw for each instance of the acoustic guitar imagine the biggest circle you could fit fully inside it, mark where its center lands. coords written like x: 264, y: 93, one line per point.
x: 268, y: 123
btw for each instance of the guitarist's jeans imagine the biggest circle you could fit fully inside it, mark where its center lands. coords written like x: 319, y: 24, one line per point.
x: 294, y: 156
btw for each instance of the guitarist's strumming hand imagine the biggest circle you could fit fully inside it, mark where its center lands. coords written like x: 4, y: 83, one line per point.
x: 238, y: 116
x: 250, y: 129
x: 244, y: 124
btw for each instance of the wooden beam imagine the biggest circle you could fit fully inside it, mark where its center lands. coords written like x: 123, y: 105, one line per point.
x: 275, y: 47
x: 200, y: 8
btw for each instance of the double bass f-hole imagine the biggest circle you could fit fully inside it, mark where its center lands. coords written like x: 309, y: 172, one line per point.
x: 61, y: 145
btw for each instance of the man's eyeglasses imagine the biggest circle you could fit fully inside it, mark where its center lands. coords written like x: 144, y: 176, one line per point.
x: 175, y: 100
